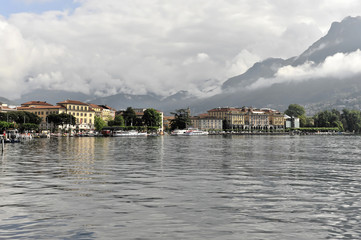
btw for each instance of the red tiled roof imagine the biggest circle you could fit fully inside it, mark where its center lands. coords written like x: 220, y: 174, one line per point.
x: 223, y: 109
x: 40, y: 107
x: 5, y: 108
x: 37, y: 103
x: 94, y: 106
x: 107, y: 107
x: 168, y: 117
x: 72, y: 102
x: 203, y: 115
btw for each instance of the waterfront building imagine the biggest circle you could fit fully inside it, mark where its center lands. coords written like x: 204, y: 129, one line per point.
x: 4, y: 108
x: 256, y: 119
x: 206, y: 122
x: 167, y: 122
x: 97, y: 109
x: 103, y: 111
x: 107, y: 113
x: 276, y: 119
x: 42, y: 109
x: 292, y: 122
x: 82, y: 112
x: 233, y: 118
x: 34, y: 104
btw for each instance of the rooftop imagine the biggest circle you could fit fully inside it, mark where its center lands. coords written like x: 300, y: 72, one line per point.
x: 40, y: 103
x: 40, y: 107
x: 68, y: 101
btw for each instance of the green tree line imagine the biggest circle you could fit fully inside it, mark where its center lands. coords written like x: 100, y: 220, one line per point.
x: 346, y: 120
x: 19, y: 119
x: 151, y: 120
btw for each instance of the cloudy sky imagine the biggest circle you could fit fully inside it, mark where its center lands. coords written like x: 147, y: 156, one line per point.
x: 159, y: 46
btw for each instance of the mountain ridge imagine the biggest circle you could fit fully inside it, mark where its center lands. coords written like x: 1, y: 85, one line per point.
x: 314, y: 92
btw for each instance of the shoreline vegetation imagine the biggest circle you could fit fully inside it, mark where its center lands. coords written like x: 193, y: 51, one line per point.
x: 328, y: 122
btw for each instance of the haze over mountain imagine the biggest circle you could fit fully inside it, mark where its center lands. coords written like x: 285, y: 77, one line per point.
x: 326, y: 75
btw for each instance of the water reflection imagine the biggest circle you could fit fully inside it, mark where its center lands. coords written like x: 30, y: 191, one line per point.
x: 240, y: 187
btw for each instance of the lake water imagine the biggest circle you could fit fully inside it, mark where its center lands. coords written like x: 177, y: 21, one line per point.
x: 213, y: 187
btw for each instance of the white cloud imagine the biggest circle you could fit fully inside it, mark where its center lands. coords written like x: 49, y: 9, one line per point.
x: 340, y: 66
x: 34, y: 1
x: 241, y: 63
x: 136, y: 46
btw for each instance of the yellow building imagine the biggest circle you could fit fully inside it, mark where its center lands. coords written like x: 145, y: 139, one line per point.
x: 206, y: 122
x: 107, y: 113
x: 41, y: 109
x: 4, y: 108
x: 82, y: 112
x: 234, y: 117
x: 97, y: 109
x: 276, y: 118
x: 256, y: 119
x: 36, y: 104
x: 103, y: 111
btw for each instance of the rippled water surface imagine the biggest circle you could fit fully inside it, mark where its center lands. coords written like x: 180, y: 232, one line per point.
x: 213, y: 187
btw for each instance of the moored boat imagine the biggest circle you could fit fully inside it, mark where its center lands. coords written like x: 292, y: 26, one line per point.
x: 178, y: 132
x: 131, y: 133
x: 195, y: 132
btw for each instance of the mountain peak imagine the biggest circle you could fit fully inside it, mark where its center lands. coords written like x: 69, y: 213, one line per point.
x: 343, y: 37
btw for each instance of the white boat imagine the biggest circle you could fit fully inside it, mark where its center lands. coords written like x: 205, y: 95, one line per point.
x: 131, y: 133
x: 195, y: 132
x: 178, y: 132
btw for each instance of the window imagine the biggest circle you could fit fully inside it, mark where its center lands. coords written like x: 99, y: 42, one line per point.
x: 82, y: 108
x: 81, y: 114
x: 77, y: 114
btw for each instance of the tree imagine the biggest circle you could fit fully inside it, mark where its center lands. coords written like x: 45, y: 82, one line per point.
x: 20, y: 117
x: 4, y: 125
x: 99, y: 123
x: 310, y: 122
x: 328, y: 119
x: 351, y: 120
x: 54, y: 119
x: 129, y: 117
x: 32, y: 118
x: 61, y: 119
x: 29, y: 127
x: 181, y: 119
x: 226, y: 125
x: 67, y: 119
x: 118, y: 121
x: 295, y: 110
x: 152, y: 118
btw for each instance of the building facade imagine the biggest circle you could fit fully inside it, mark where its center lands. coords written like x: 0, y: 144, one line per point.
x: 249, y: 118
x: 206, y: 122
x: 107, y: 113
x: 43, y: 110
x: 4, y: 108
x: 82, y: 112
